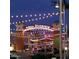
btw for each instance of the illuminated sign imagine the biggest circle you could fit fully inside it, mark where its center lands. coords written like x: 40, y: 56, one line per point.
x: 44, y: 27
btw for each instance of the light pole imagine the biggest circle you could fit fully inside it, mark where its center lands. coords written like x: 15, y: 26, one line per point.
x: 61, y: 8
x: 60, y: 23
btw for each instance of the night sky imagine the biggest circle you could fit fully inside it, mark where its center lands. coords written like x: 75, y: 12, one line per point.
x: 20, y: 8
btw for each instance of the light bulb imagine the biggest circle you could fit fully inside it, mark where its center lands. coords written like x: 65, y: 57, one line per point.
x: 11, y: 48
x: 48, y: 13
x: 16, y: 16
x: 29, y: 20
x: 11, y: 32
x: 35, y: 15
x: 13, y: 29
x: 12, y: 16
x: 22, y: 21
x: 44, y: 14
x: 40, y: 18
x: 32, y: 19
x: 19, y: 22
x: 36, y: 19
x: 43, y: 17
x: 66, y: 48
x: 21, y: 15
x: 13, y: 22
x: 47, y: 16
x: 30, y: 15
x: 57, y: 6
x: 53, y: 13
x: 25, y: 20
x: 26, y: 16
x: 39, y: 14
x: 16, y: 22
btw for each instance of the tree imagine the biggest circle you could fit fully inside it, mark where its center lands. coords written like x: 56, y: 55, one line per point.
x: 57, y: 42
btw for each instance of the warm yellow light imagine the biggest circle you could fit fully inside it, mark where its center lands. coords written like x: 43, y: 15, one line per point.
x: 27, y: 49
x: 34, y: 40
x: 65, y: 48
x: 11, y: 48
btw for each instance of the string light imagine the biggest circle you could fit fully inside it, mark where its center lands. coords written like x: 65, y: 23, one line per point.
x: 22, y: 21
x: 11, y: 32
x: 26, y: 16
x: 19, y: 22
x: 39, y: 18
x: 30, y: 15
x: 44, y: 14
x: 32, y: 19
x: 16, y: 16
x: 39, y: 14
x: 21, y: 16
x: 48, y: 13
x: 62, y: 24
x: 13, y: 22
x: 47, y: 16
x: 16, y: 22
x: 29, y: 20
x: 43, y: 17
x: 53, y: 13
x: 13, y: 29
x: 25, y: 20
x: 12, y: 16
x: 63, y: 30
x: 35, y: 15
x: 57, y: 13
x: 36, y: 19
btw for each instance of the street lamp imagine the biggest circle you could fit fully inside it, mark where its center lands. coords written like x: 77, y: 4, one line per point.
x: 57, y: 5
x: 61, y: 9
x: 60, y: 6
